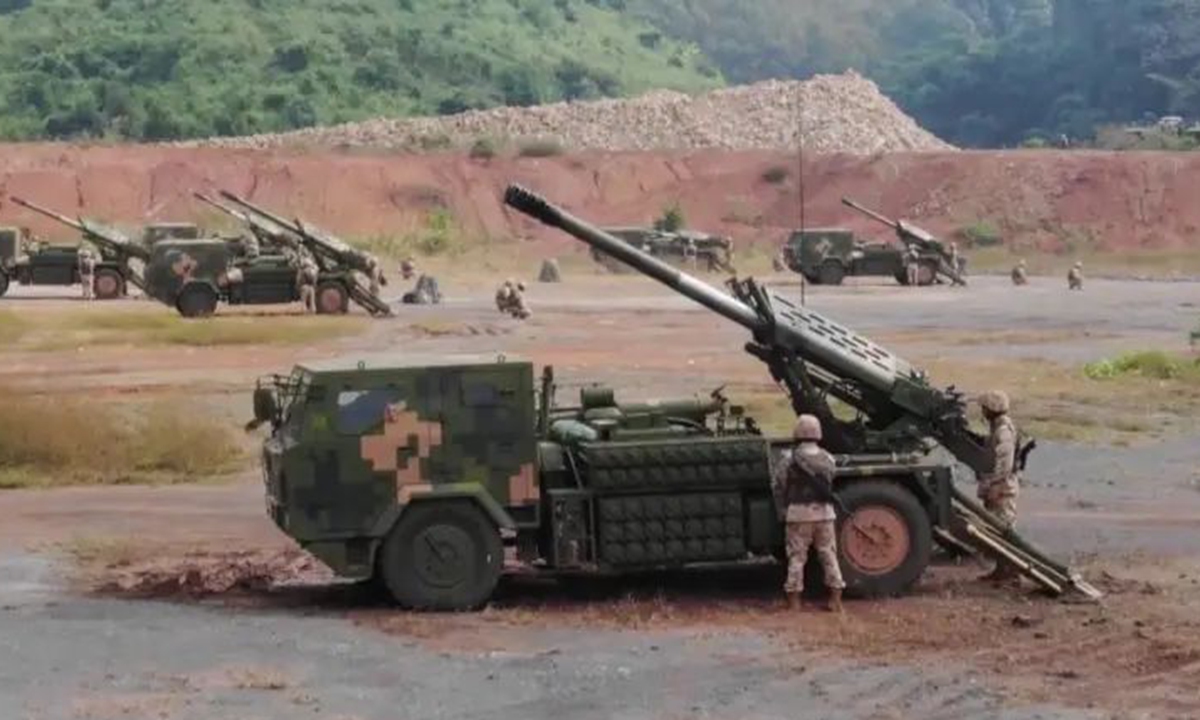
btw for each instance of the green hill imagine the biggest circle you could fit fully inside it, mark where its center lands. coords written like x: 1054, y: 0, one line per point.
x: 165, y: 69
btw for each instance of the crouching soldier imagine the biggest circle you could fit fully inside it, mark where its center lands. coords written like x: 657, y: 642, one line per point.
x: 803, y: 484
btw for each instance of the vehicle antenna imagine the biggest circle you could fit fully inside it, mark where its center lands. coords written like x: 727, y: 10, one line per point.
x: 800, y: 172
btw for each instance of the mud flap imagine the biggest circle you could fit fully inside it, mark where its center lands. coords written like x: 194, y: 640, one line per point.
x: 975, y: 527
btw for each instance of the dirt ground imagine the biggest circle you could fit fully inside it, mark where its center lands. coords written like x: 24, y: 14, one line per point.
x: 184, y: 602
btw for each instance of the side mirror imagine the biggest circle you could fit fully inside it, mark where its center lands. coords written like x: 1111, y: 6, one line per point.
x: 266, y: 405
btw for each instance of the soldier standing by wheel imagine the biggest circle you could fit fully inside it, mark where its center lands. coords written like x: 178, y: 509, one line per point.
x: 803, y: 486
x: 912, y: 266
x: 87, y: 273
x: 1075, y: 277
x: 375, y: 275
x: 306, y: 283
x: 998, y: 488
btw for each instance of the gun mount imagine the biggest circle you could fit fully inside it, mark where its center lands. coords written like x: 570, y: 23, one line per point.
x: 924, y: 242
x: 899, y: 412
x: 114, y: 246
x: 331, y: 253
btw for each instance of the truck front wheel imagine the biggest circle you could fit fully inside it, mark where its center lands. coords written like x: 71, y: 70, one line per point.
x: 332, y: 299
x: 831, y: 273
x: 196, y: 301
x: 108, y: 284
x: 442, y: 555
x: 885, y: 542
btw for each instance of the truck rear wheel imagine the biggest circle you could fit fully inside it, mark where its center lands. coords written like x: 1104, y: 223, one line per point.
x: 196, y: 301
x: 831, y: 273
x: 885, y: 542
x: 3, y: 283
x: 442, y: 555
x: 926, y: 273
x: 108, y: 284
x: 332, y: 299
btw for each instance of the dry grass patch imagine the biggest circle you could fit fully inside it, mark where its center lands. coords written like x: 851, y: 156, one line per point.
x: 13, y: 327
x: 60, y: 330
x: 48, y: 442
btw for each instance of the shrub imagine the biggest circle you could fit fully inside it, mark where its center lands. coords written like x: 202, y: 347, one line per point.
x: 1152, y: 364
x: 775, y: 174
x: 671, y: 220
x: 483, y: 149
x: 982, y: 233
x: 540, y: 148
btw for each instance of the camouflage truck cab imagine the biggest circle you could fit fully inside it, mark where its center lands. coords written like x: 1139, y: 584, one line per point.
x: 826, y: 256
x: 414, y: 470
x: 152, y: 234
x: 711, y: 253
x: 427, y: 477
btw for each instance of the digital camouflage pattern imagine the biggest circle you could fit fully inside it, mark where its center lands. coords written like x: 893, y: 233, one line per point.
x: 357, y: 445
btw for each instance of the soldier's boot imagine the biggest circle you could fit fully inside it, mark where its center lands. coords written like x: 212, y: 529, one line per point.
x: 835, y: 601
x: 793, y: 602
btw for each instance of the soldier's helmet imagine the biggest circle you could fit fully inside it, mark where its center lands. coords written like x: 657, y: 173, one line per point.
x: 1078, y: 266
x: 509, y: 282
x: 1021, y: 263
x: 407, y: 266
x: 994, y: 401
x: 808, y: 427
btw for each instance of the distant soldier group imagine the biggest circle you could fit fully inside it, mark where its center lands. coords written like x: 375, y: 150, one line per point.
x: 1020, y: 275
x: 510, y: 299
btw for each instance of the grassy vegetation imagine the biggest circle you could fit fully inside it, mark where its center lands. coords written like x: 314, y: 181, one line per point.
x: 1142, y: 263
x: 539, y: 148
x: 48, y: 442
x: 178, y: 68
x: 1151, y: 364
x: 95, y: 326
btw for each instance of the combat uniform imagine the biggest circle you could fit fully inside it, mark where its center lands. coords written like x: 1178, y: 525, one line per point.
x: 1075, y: 277
x: 306, y: 282
x: 911, y: 267
x: 998, y: 488
x: 87, y: 273
x: 803, y: 486
x: 1019, y: 276
x: 375, y: 275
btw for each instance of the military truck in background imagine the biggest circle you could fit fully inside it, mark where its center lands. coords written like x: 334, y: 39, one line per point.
x: 710, y: 253
x: 826, y: 256
x: 27, y: 262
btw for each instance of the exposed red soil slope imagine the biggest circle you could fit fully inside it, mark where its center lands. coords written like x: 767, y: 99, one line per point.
x: 1114, y: 201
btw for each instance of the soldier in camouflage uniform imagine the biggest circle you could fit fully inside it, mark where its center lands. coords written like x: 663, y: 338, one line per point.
x: 1019, y: 275
x: 803, y: 486
x: 912, y: 266
x: 1075, y: 277
x: 87, y: 273
x: 375, y: 275
x: 306, y: 283
x: 998, y: 488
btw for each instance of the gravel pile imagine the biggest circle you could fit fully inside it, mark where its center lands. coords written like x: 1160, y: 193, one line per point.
x: 839, y: 113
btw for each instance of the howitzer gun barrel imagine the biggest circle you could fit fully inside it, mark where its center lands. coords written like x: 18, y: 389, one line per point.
x: 49, y: 213
x: 263, y: 212
x: 870, y: 213
x: 537, y: 207
x: 221, y: 206
x: 803, y: 331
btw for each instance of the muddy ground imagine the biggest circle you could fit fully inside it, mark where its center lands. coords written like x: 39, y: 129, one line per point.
x: 121, y: 601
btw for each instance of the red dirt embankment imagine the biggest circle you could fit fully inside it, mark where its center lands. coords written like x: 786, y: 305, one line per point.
x: 1056, y: 200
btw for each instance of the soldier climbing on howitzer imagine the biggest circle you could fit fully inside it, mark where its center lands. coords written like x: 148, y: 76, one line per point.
x: 1075, y: 277
x: 1019, y: 275
x: 804, y: 501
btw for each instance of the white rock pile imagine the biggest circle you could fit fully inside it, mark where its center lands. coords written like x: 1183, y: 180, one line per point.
x: 838, y: 113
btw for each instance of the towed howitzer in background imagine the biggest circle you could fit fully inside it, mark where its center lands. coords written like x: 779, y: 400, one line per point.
x: 115, y: 271
x: 924, y: 242
x: 333, y: 255
x: 899, y: 413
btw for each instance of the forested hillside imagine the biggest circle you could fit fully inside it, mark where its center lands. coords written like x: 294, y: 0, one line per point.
x: 157, y: 69
x: 976, y: 72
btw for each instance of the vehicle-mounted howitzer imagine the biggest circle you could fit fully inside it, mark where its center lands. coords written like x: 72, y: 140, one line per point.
x: 814, y: 358
x: 112, y: 243
x: 331, y: 253
x: 912, y: 236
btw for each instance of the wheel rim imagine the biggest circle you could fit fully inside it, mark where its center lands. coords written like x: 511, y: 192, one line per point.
x: 106, y: 286
x: 442, y: 556
x: 875, y: 539
x: 926, y: 275
x: 331, y: 301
